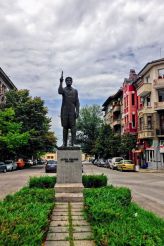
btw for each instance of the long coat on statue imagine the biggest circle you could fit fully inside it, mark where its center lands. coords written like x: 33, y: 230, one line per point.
x: 70, y: 105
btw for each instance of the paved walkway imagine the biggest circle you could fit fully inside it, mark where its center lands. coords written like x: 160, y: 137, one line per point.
x: 68, y: 226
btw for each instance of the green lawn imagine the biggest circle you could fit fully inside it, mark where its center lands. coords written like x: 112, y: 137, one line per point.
x: 117, y: 221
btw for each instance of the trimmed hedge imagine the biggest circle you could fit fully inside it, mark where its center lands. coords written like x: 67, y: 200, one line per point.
x: 42, y: 182
x: 89, y: 181
x: 25, y: 216
x: 117, y: 221
x: 94, y: 181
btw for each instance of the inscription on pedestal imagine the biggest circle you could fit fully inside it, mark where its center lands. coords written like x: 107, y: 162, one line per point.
x: 69, y: 167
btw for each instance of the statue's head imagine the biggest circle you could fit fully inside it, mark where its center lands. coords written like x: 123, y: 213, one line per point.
x: 68, y: 81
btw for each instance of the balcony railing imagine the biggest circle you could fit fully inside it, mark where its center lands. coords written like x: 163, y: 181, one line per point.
x: 146, y: 132
x: 116, y: 122
x: 160, y: 132
x: 144, y: 89
x: 158, y: 83
x: 159, y: 106
x: 116, y: 108
x: 146, y: 110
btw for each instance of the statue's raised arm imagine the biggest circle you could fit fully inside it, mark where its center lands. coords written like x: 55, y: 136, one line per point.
x: 60, y: 89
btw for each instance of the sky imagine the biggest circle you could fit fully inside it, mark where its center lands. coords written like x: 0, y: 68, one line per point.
x: 96, y: 42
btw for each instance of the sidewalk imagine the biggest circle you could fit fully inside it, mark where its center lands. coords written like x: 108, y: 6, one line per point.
x: 146, y: 170
x: 68, y: 226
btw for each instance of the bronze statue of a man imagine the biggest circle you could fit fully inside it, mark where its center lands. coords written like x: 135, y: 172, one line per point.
x: 69, y: 109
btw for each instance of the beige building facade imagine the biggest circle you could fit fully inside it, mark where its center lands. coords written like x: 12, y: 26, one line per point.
x: 150, y: 92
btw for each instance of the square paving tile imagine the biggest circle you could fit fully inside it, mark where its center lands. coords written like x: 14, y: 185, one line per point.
x: 80, y: 223
x: 57, y: 236
x: 84, y: 243
x: 59, y: 217
x: 77, y: 217
x: 58, y: 229
x: 82, y: 235
x: 57, y: 243
x: 60, y: 213
x: 59, y: 223
x: 82, y: 228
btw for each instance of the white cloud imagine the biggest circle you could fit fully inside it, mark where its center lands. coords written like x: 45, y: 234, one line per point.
x: 95, y: 42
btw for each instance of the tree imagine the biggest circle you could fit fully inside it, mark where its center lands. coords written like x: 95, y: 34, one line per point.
x: 128, y: 142
x: 88, y: 125
x: 11, y: 137
x: 32, y: 114
x: 107, y: 144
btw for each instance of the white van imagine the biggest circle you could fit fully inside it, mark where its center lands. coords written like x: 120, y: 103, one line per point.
x: 115, y: 161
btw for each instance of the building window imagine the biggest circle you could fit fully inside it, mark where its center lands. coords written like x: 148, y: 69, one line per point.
x: 161, y: 73
x: 147, y: 101
x: 149, y: 122
x: 133, y: 99
x: 161, y: 95
x: 141, y: 123
x: 133, y: 121
x: 147, y: 79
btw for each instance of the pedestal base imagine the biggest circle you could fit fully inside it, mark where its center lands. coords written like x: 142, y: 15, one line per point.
x: 69, y: 187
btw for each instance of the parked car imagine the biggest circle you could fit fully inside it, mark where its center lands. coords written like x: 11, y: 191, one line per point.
x: 28, y: 163
x: 101, y: 163
x: 41, y: 162
x: 108, y: 163
x: 51, y: 166
x: 126, y: 165
x: 20, y: 163
x: 3, y: 167
x: 10, y: 165
x: 115, y: 161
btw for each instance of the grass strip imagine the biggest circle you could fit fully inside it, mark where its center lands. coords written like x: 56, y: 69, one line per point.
x: 117, y: 221
x: 70, y: 225
x: 25, y: 217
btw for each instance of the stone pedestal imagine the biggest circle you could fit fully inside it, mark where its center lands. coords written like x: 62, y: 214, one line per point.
x: 69, y: 185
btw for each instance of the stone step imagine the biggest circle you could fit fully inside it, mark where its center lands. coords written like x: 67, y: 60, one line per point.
x: 68, y: 197
x: 69, y: 188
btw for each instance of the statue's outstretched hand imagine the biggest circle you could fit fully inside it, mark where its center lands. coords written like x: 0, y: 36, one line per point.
x: 61, y: 78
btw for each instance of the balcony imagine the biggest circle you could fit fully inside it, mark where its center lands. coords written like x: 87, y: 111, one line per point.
x: 144, y: 89
x: 116, y: 122
x: 159, y: 106
x: 160, y: 132
x: 158, y: 83
x: 146, y: 132
x: 145, y: 110
x: 116, y: 108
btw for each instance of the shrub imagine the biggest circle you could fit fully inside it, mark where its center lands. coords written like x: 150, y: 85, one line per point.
x: 117, y: 221
x: 89, y: 181
x: 42, y: 182
x: 25, y: 216
x: 94, y: 181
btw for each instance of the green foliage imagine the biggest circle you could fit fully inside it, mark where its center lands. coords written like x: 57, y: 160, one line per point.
x: 107, y: 144
x: 11, y: 137
x: 94, y: 181
x: 50, y: 181
x: 32, y: 114
x: 25, y: 216
x: 128, y: 142
x: 42, y: 182
x: 117, y: 221
x: 88, y: 124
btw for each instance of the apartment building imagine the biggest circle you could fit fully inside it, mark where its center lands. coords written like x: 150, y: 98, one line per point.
x: 130, y: 117
x: 113, y: 111
x: 150, y: 92
x: 5, y: 85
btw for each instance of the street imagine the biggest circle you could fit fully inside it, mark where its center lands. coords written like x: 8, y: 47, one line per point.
x: 147, y: 188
